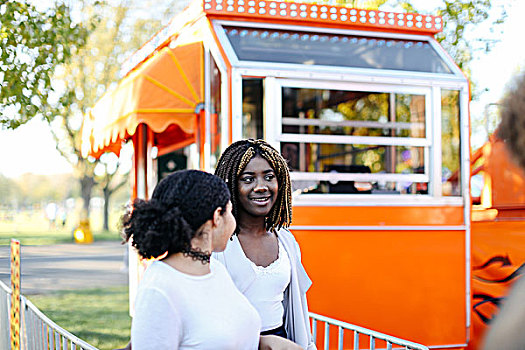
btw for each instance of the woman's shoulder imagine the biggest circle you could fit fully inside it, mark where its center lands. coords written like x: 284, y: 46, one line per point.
x: 160, y: 275
x: 289, y: 241
x: 285, y: 235
x: 217, y: 265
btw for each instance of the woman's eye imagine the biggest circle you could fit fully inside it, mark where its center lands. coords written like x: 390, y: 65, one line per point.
x: 270, y: 177
x: 247, y: 179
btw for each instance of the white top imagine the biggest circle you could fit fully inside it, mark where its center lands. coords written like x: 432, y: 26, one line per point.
x: 174, y: 310
x: 296, y: 317
x: 267, y: 290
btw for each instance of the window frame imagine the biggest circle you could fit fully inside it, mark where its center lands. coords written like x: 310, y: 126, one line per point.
x: 212, y: 53
x: 274, y: 117
x: 218, y: 27
x: 269, y: 72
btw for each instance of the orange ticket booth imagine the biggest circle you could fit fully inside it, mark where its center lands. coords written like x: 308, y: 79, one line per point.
x: 371, y: 114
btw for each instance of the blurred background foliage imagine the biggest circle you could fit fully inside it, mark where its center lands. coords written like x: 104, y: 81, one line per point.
x: 59, y: 57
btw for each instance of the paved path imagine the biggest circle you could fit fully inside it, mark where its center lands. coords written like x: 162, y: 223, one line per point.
x: 49, y: 268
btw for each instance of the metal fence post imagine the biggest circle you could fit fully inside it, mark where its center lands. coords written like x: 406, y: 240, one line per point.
x: 15, y: 294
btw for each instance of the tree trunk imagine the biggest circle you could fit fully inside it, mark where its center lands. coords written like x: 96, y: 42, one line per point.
x: 107, y: 194
x: 108, y: 191
x: 86, y: 186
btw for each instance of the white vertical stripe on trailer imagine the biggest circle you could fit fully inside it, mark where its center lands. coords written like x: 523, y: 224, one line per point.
x: 435, y: 149
x: 272, y: 112
x: 464, y: 110
x: 236, y: 106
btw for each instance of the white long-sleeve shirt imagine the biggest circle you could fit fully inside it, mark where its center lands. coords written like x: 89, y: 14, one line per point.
x: 174, y: 310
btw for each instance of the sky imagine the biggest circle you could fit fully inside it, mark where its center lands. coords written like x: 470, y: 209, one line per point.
x: 31, y: 148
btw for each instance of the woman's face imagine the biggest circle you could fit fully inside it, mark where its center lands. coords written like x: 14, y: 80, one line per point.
x: 258, y: 188
x: 225, y: 229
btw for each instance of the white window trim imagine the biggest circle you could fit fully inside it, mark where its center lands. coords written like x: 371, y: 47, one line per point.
x: 351, y: 123
x: 356, y: 140
x: 361, y: 177
x: 273, y: 103
x: 373, y: 200
x: 273, y: 82
x: 236, y: 98
x: 211, y: 45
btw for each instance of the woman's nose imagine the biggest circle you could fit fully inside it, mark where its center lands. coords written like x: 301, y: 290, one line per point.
x: 260, y: 186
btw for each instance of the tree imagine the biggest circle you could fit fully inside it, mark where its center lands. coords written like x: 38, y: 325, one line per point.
x: 122, y: 28
x: 8, y: 191
x: 461, y: 16
x: 110, y: 182
x: 33, y: 44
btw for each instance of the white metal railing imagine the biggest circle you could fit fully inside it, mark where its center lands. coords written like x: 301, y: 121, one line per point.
x: 37, y: 331
x: 5, y: 302
x: 357, y: 331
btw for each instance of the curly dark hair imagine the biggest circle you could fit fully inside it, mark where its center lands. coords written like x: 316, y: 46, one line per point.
x: 181, y: 203
x: 512, y: 126
x: 233, y: 161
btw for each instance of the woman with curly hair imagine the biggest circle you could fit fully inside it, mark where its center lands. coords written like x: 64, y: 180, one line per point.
x: 263, y: 257
x: 185, y: 299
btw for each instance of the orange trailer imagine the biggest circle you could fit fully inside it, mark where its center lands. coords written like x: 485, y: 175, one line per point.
x: 498, y: 233
x: 371, y: 114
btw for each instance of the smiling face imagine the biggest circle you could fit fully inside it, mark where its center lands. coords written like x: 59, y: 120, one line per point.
x: 258, y: 188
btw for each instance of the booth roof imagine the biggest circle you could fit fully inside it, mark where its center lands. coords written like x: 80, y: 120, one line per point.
x: 166, y: 89
x: 315, y: 14
x: 164, y: 85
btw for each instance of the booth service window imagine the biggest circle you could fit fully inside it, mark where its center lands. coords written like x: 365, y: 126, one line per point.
x: 355, y: 141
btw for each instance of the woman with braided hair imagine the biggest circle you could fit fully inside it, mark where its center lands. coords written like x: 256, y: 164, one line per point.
x: 185, y: 299
x: 263, y: 257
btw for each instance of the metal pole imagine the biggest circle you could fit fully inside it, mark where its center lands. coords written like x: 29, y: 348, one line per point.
x: 15, y: 294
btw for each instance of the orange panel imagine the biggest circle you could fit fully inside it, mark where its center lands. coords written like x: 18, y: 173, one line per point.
x: 410, y: 284
x: 377, y: 216
x: 508, y: 180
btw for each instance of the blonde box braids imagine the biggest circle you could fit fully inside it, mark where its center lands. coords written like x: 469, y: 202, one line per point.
x: 235, y: 159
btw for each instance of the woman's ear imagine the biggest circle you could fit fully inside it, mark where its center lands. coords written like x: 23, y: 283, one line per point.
x: 217, y: 216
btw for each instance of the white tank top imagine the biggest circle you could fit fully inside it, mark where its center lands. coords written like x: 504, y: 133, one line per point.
x: 267, y: 291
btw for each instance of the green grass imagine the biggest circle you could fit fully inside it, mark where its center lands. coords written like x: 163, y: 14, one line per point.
x: 51, y: 237
x: 32, y: 228
x: 97, y: 316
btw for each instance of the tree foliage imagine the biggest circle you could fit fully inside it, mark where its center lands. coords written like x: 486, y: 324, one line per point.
x: 57, y: 62
x: 459, y: 18
x: 30, y: 189
x: 8, y: 191
x: 122, y: 27
x: 33, y: 44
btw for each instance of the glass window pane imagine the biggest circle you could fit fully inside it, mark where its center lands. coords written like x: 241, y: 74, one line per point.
x: 327, y: 157
x: 357, y: 113
x: 216, y: 115
x: 410, y: 109
x: 252, y: 109
x: 450, y: 143
x: 308, y: 48
x: 347, y: 158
